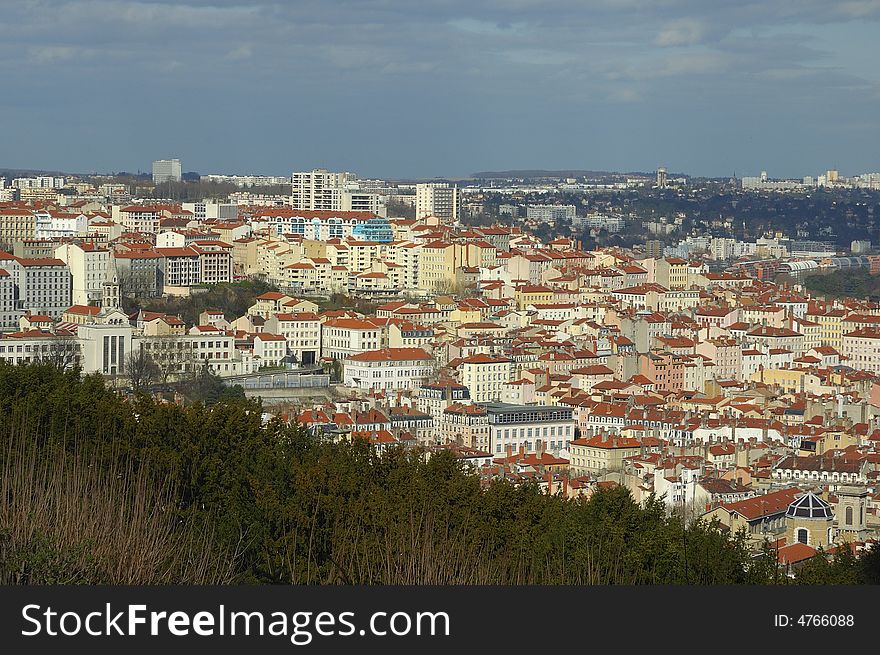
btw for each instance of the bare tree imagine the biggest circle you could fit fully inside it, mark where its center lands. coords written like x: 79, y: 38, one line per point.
x: 141, y: 369
x: 62, y: 352
x: 171, y: 355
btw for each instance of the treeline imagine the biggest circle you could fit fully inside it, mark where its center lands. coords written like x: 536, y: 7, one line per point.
x: 97, y: 489
x: 840, y: 283
x: 233, y: 298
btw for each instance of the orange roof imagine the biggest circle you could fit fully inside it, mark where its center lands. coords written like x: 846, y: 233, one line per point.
x: 86, y: 310
x: 391, y: 355
x: 771, y: 503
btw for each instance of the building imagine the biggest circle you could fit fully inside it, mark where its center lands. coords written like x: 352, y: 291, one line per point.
x: 551, y: 213
x: 269, y: 349
x: 322, y: 190
x: 45, y: 286
x: 166, y: 170
x: 602, y: 453
x: 324, y: 225
x: 55, y: 225
x: 761, y: 516
x: 529, y: 428
x: 862, y: 349
x: 8, y: 299
x: 215, y: 261
x: 388, y: 369
x: 88, y: 269
x: 61, y: 349
x: 140, y: 272
x: 303, y: 333
x: 661, y: 178
x: 343, y: 337
x: 485, y: 376
x: 808, y: 520
x: 142, y: 219
x: 433, y: 398
x: 464, y: 424
x: 440, y: 200
x: 318, y: 189
x: 181, y: 267
x: 16, y: 225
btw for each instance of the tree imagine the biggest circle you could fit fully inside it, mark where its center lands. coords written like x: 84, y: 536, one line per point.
x: 171, y: 355
x: 62, y: 352
x: 208, y: 388
x: 141, y: 369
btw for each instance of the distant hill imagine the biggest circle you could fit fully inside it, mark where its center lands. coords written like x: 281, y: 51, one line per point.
x: 487, y: 175
x: 27, y: 172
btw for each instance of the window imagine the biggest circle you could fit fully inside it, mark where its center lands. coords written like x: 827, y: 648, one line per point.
x: 803, y: 535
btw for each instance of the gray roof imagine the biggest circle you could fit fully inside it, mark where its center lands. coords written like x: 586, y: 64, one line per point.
x: 809, y: 506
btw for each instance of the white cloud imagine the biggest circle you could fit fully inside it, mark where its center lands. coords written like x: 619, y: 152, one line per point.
x: 239, y: 53
x: 52, y: 54
x: 685, y: 31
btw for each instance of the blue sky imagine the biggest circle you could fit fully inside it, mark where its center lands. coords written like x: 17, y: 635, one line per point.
x: 398, y: 88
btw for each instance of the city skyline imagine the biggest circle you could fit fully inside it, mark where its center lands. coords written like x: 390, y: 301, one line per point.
x: 391, y: 90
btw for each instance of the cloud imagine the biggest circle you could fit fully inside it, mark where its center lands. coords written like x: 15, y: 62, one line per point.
x: 239, y: 53
x: 47, y: 54
x: 685, y: 31
x: 351, y: 63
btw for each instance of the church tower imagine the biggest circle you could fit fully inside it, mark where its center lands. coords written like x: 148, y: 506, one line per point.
x: 110, y: 297
x: 852, y: 503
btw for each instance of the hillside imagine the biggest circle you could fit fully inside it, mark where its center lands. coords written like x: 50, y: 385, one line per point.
x: 98, y: 489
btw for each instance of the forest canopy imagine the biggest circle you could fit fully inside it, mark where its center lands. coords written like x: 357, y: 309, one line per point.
x: 210, y: 494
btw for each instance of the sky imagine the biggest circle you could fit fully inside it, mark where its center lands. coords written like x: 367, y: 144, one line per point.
x: 441, y: 88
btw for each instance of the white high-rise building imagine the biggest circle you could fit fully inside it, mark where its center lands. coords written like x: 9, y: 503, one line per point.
x: 661, y: 177
x: 166, y: 170
x: 438, y: 199
x: 88, y: 269
x: 318, y: 189
x: 321, y: 189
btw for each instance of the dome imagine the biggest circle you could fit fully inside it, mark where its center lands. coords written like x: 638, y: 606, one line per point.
x: 809, y: 506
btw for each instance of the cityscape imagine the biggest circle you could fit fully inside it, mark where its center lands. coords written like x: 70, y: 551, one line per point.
x: 380, y: 323
x: 573, y: 332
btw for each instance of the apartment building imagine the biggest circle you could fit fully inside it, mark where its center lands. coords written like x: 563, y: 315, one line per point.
x: 862, y: 349
x: 16, y: 225
x: 464, y: 424
x: 302, y: 330
x: 602, y: 453
x: 318, y: 189
x: 215, y: 261
x: 269, y: 349
x: 388, y: 369
x: 181, y: 267
x: 440, y: 200
x: 323, y: 225
x: 8, y: 299
x: 88, y: 265
x: 485, y: 376
x: 140, y: 272
x: 343, y: 337
x: 45, y: 286
x: 143, y: 219
x: 513, y: 428
x: 434, y: 397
